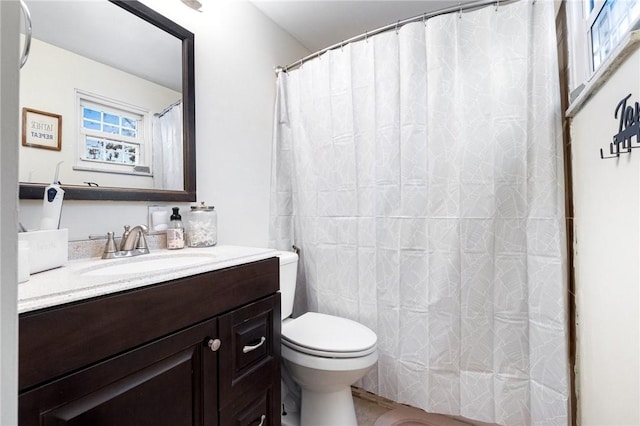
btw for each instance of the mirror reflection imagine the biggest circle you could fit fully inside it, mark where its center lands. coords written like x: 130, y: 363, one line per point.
x: 114, y: 92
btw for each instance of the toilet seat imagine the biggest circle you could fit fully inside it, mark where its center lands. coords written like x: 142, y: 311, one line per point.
x: 328, y: 364
x: 328, y: 336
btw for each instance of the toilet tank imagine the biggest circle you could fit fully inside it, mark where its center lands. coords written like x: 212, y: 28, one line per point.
x: 288, y: 275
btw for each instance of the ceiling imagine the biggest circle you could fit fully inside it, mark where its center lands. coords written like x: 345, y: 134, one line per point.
x: 317, y: 24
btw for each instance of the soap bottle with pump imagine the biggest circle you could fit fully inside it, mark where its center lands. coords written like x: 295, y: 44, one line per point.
x: 175, y: 232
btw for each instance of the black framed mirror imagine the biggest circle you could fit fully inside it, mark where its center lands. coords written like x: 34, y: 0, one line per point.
x: 83, y: 187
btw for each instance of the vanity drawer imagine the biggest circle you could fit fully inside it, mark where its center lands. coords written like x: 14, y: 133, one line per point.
x: 254, y: 410
x: 250, y: 349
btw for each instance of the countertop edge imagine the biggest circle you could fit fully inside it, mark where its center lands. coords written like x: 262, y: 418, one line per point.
x: 41, y: 296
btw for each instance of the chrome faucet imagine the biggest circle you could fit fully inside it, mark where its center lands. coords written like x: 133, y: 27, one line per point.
x: 133, y: 243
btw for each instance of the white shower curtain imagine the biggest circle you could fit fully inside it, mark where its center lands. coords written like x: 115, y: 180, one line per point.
x: 168, y: 150
x: 420, y: 172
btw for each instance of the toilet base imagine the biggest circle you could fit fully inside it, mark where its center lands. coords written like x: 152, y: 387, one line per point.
x: 327, y: 408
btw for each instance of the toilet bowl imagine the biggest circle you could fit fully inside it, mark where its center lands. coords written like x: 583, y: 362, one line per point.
x: 324, y: 354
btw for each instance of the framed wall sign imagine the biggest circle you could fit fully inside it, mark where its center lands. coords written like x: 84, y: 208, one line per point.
x: 41, y: 129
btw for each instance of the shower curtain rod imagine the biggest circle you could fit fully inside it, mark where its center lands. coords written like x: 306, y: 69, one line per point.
x: 167, y: 109
x: 423, y: 17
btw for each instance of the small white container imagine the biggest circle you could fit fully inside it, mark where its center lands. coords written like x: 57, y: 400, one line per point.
x: 160, y: 220
x: 47, y: 249
x: 201, y: 225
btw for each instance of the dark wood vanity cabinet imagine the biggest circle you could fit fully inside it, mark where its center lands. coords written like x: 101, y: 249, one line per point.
x: 201, y: 350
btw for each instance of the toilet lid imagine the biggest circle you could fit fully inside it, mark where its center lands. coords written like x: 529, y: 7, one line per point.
x: 327, y: 335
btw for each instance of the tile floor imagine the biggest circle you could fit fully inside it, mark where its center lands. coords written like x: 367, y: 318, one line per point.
x: 368, y: 411
x: 370, y: 408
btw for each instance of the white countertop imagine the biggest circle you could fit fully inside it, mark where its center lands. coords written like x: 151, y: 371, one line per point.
x: 82, y: 279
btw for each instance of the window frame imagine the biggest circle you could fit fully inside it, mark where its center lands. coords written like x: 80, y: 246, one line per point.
x: 143, y: 139
x: 590, y: 19
x: 579, y: 22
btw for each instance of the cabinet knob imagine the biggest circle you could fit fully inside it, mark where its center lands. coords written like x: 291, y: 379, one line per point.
x: 262, y: 419
x: 214, y: 344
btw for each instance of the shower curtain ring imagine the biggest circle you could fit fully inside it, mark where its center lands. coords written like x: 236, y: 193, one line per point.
x: 497, y: 4
x: 366, y: 37
x: 460, y: 11
x: 397, y: 26
x: 424, y: 20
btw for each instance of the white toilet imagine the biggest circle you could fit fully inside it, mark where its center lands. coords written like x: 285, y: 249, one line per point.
x: 325, y: 355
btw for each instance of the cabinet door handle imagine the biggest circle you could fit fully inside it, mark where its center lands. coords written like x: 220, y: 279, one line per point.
x: 254, y: 347
x: 213, y: 344
x: 262, y: 419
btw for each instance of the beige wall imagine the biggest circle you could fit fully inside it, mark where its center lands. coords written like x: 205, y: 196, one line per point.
x: 236, y: 50
x: 607, y: 259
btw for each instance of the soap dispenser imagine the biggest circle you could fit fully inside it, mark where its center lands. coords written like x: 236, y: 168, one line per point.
x: 175, y: 232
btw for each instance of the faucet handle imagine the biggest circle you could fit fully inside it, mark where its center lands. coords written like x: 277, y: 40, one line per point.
x: 110, y: 247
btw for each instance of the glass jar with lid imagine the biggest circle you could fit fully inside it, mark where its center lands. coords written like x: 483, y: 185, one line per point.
x: 201, y: 226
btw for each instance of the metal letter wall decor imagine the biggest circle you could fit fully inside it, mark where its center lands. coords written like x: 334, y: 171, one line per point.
x: 629, y: 126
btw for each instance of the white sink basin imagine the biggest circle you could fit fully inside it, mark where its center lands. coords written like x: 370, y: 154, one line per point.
x: 147, y: 264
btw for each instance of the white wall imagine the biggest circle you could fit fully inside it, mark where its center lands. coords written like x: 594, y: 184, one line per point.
x: 607, y: 259
x: 236, y: 50
x: 9, y: 20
